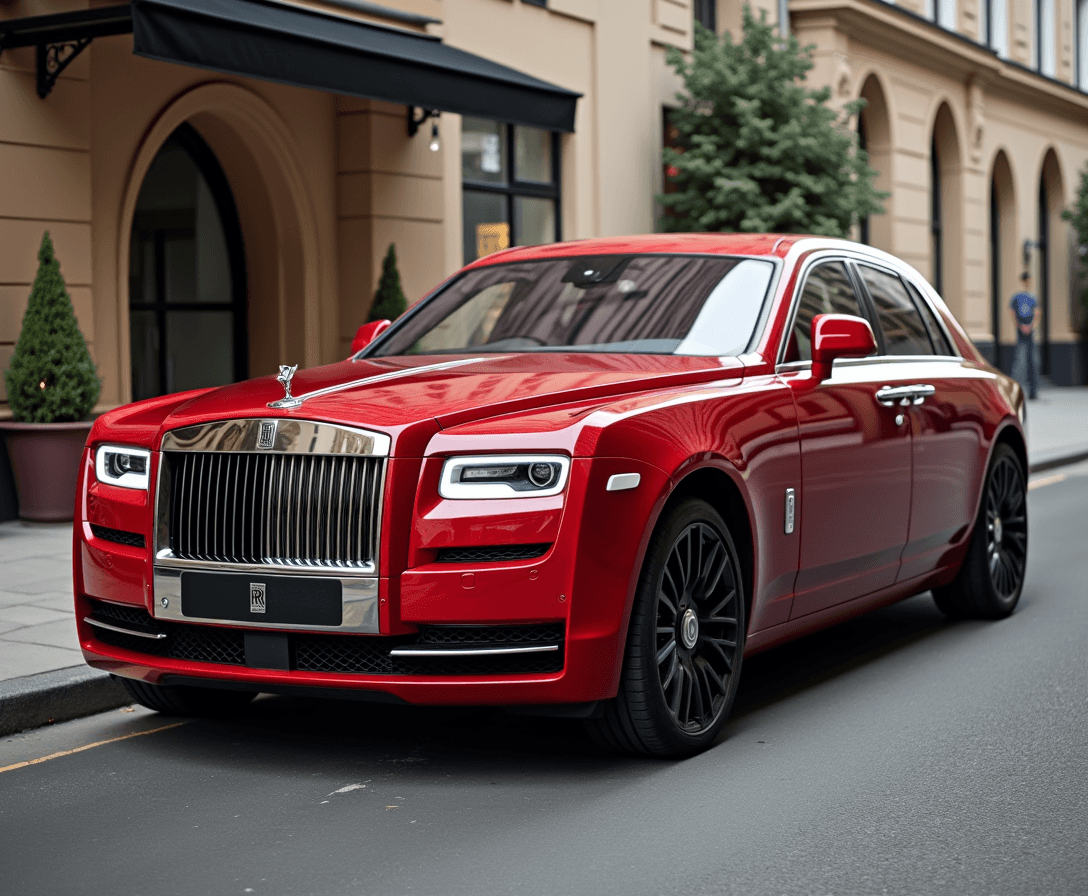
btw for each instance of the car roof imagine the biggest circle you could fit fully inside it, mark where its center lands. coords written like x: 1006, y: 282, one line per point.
x: 768, y: 244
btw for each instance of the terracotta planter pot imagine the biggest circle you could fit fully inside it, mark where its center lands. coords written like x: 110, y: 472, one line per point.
x: 45, y: 461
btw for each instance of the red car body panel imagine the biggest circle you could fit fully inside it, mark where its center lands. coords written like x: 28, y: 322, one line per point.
x: 884, y: 507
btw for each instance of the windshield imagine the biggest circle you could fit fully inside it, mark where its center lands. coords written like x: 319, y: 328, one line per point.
x: 658, y: 304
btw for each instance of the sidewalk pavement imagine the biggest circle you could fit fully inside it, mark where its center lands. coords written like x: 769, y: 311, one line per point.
x: 42, y: 674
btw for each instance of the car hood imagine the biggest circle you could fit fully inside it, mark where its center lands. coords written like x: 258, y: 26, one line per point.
x: 424, y: 393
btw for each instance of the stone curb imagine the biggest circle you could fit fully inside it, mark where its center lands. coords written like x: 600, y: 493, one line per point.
x: 36, y: 700
x: 1061, y: 461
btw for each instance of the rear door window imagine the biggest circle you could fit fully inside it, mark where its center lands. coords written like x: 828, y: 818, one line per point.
x: 940, y: 341
x: 905, y: 332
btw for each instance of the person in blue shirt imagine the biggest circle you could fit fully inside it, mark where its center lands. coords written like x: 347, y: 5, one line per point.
x: 1025, y: 314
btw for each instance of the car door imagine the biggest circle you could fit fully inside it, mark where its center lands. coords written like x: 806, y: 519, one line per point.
x: 854, y: 502
x: 946, y: 414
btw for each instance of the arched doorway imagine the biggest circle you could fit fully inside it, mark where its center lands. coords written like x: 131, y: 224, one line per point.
x: 1004, y: 253
x: 946, y: 224
x: 1051, y: 255
x: 187, y: 274
x: 874, y: 136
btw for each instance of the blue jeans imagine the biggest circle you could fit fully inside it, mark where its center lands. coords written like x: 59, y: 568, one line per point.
x: 1025, y: 368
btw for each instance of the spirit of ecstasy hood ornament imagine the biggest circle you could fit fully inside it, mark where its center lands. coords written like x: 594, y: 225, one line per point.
x: 288, y: 401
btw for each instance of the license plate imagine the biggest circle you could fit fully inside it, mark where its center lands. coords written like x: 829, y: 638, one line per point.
x: 253, y: 597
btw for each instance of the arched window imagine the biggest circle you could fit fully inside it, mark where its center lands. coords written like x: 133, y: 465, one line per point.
x: 863, y: 223
x: 1043, y: 288
x: 935, y: 218
x: 187, y: 289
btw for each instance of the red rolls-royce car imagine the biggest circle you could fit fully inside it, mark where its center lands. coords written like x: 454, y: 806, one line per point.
x: 587, y: 478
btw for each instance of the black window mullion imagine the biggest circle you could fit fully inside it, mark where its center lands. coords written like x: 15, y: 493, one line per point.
x: 160, y: 312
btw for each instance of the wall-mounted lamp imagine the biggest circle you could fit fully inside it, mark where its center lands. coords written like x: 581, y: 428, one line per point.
x: 1028, y: 246
x: 416, y: 122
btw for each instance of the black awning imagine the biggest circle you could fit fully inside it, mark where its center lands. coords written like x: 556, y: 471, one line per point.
x: 292, y: 45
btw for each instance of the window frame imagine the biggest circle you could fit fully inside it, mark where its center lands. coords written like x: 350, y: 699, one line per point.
x: 514, y: 188
x: 795, y: 303
x: 882, y: 338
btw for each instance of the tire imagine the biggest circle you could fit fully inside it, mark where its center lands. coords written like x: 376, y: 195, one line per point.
x: 682, y: 660
x: 181, y: 700
x: 991, y: 578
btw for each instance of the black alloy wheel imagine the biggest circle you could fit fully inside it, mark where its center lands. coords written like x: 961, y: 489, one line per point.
x: 991, y: 578
x: 1006, y: 527
x: 684, y: 642
x: 696, y: 637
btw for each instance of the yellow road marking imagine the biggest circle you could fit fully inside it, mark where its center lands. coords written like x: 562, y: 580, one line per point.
x: 100, y: 743
x: 1047, y: 480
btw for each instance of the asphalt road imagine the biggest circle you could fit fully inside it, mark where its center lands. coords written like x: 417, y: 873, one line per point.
x: 897, y: 754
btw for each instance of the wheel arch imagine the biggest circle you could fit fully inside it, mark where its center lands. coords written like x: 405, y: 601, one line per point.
x: 1011, y: 435
x: 713, y: 485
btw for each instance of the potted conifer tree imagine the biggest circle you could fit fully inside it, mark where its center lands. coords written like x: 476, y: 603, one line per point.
x: 52, y: 386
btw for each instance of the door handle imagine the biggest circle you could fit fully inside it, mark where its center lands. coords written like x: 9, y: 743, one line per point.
x: 893, y: 395
x: 921, y: 392
x: 889, y: 396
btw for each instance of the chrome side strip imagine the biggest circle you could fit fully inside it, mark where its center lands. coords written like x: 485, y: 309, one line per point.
x: 473, y: 651
x: 157, y: 636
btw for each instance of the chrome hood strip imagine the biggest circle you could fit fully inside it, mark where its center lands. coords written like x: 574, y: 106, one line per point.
x: 296, y: 400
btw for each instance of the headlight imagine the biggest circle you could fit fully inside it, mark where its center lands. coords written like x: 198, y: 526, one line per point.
x: 126, y: 467
x: 509, y: 476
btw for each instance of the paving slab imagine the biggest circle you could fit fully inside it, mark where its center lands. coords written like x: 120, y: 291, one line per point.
x: 61, y: 633
x: 26, y: 614
x: 16, y: 658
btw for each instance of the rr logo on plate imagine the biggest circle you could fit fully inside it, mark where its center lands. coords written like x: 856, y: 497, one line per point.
x: 256, y: 597
x: 267, y: 436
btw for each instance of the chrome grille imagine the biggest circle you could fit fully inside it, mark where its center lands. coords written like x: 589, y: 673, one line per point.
x: 303, y: 510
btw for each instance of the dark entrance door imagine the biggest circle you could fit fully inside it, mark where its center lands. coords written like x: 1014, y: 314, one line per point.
x: 187, y: 288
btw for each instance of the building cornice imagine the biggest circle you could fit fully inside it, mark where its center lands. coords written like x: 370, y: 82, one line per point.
x: 916, y: 39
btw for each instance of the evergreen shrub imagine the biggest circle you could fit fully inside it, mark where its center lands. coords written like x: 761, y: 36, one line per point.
x: 389, y: 301
x: 52, y: 377
x: 759, y: 151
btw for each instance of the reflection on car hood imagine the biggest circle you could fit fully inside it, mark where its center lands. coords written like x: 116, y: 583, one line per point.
x: 394, y: 393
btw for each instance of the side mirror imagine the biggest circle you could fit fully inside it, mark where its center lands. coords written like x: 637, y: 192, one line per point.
x: 838, y: 336
x: 367, y: 333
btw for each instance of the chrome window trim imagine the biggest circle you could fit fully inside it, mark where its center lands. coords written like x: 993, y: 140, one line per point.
x: 872, y: 359
x: 359, y: 598
x: 291, y: 437
x: 815, y: 259
x: 848, y: 256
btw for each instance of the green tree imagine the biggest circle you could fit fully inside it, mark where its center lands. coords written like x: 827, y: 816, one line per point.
x: 52, y: 377
x: 389, y: 302
x: 1078, y: 217
x: 759, y: 151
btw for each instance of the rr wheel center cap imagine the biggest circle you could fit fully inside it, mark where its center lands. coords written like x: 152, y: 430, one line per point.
x: 689, y: 628
x: 998, y: 531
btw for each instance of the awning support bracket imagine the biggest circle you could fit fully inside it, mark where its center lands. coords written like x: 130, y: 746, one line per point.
x: 52, y: 59
x: 58, y: 38
x: 414, y: 123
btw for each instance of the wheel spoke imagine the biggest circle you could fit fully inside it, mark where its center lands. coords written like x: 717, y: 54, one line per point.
x: 721, y: 605
x: 663, y: 653
x: 672, y: 671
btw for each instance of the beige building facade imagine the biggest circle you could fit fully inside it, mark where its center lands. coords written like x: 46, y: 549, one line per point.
x: 977, y: 122
x: 212, y: 225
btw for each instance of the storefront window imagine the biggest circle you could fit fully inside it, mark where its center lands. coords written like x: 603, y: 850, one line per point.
x: 186, y: 274
x: 510, y: 177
